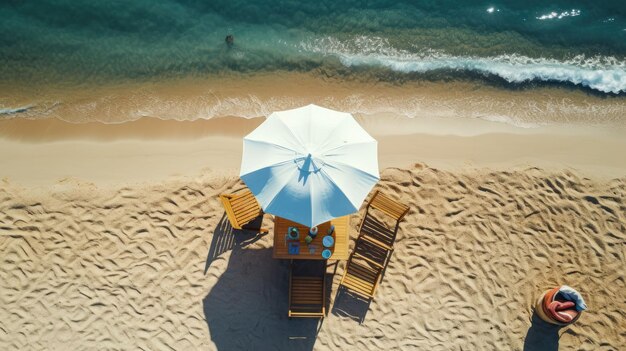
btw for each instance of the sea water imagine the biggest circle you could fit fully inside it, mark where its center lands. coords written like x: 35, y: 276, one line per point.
x: 578, y: 45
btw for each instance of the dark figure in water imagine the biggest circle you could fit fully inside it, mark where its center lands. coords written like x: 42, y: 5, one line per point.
x: 230, y: 40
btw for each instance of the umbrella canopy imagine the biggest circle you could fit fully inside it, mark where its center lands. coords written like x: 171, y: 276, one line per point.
x: 310, y: 164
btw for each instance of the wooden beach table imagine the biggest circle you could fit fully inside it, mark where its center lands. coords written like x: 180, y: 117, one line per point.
x: 341, y: 236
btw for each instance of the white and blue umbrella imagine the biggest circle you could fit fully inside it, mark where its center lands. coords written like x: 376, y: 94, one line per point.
x: 310, y: 164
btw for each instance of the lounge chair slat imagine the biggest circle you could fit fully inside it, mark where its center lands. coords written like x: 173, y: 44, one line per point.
x: 307, y: 295
x: 241, y: 209
x: 392, y: 208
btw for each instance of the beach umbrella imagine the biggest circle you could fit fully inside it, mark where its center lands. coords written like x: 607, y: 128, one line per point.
x: 309, y: 164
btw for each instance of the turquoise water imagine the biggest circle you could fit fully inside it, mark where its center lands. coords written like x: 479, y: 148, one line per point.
x: 507, y: 43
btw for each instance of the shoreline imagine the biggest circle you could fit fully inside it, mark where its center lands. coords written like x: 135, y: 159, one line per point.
x: 40, y: 153
x: 250, y: 96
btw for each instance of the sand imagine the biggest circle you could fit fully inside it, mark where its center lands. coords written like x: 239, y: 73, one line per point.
x: 256, y: 95
x: 47, y: 152
x: 157, y: 267
x: 112, y: 237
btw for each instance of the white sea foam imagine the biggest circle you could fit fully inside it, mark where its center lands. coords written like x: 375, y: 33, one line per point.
x: 40, y: 109
x: 511, y: 121
x: 14, y: 110
x: 557, y: 15
x: 605, y: 74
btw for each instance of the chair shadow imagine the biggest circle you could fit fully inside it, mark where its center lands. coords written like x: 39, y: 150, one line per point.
x: 226, y: 238
x: 348, y: 304
x: 247, y: 308
x: 542, y: 336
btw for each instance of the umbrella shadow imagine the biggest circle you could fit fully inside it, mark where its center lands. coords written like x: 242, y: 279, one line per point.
x: 247, y: 308
x: 226, y: 238
x: 542, y: 336
x: 304, y: 169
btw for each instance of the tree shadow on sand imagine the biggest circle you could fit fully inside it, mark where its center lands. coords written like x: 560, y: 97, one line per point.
x: 247, y: 308
x: 542, y: 336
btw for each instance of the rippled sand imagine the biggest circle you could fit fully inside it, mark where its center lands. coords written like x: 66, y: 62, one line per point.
x: 157, y: 267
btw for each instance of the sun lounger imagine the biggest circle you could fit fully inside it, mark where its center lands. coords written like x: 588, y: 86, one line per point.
x: 361, y: 276
x: 242, y: 209
x: 307, y: 289
x: 377, y: 231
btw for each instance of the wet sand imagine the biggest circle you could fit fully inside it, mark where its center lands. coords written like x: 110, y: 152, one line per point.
x: 250, y: 96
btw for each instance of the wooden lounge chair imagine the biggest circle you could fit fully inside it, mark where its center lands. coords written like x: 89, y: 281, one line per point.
x: 371, y: 252
x: 376, y: 231
x: 242, y: 209
x: 362, y: 276
x: 307, y: 290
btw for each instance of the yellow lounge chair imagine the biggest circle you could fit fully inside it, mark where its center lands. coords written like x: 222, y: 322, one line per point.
x: 307, y: 292
x: 375, y: 231
x: 242, y: 209
x: 362, y: 275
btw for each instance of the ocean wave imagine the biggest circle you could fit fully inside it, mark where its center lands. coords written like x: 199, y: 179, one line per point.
x: 604, y: 74
x: 14, y: 110
x: 39, y: 109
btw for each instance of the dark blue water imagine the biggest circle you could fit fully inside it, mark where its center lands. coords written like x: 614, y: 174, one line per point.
x: 574, y: 43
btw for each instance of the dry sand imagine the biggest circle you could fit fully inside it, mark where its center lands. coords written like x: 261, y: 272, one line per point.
x: 48, y: 152
x: 112, y: 237
x: 156, y: 267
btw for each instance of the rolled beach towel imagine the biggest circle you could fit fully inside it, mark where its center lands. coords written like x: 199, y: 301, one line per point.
x: 561, y: 305
x: 570, y: 294
x: 562, y: 311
